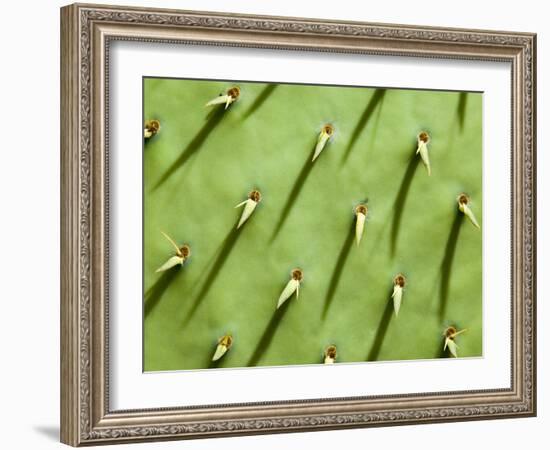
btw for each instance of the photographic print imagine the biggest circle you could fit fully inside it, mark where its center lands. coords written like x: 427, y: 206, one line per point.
x: 319, y: 207
x: 292, y: 224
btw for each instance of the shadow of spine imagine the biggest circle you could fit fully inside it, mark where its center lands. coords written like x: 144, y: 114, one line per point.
x: 381, y: 331
x: 260, y: 99
x: 213, y: 119
x: 375, y: 100
x: 461, y: 109
x: 401, y: 199
x: 338, y: 269
x: 223, y: 254
x: 216, y: 364
x: 293, y: 196
x: 447, y: 264
x: 443, y: 353
x: 156, y: 291
x: 268, y: 334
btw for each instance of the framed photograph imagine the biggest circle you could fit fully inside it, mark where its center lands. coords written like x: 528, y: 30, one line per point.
x: 276, y: 224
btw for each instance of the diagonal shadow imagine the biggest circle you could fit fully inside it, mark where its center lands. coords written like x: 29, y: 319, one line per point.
x: 293, y: 196
x: 457, y: 121
x: 213, y: 119
x: 461, y: 109
x: 443, y: 353
x: 400, y: 200
x: 215, y: 364
x: 375, y: 100
x: 338, y: 269
x: 260, y: 99
x: 147, y: 142
x: 447, y: 264
x: 269, y: 332
x: 381, y: 330
x: 51, y: 432
x: 157, y: 290
x: 375, y: 127
x: 223, y: 254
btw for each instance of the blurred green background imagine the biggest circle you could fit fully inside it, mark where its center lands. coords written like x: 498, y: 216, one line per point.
x: 205, y: 160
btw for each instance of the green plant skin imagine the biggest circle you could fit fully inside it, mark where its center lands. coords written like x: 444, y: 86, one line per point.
x: 266, y: 150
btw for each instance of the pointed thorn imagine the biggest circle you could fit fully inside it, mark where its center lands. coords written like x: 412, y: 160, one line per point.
x: 361, y: 216
x: 423, y: 139
x: 151, y: 128
x: 224, y: 344
x: 293, y: 285
x: 254, y: 197
x: 330, y: 354
x: 221, y: 99
x: 228, y: 98
x: 464, y: 207
x: 398, y: 285
x: 172, y: 262
x: 169, y: 239
x: 450, y: 334
x: 324, y: 136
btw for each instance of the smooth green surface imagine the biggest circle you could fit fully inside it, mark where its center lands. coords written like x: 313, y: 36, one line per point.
x: 264, y: 141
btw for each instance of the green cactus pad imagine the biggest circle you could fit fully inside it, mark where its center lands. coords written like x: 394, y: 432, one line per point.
x: 203, y: 161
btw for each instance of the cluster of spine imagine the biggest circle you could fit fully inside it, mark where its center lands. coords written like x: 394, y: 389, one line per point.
x: 182, y: 254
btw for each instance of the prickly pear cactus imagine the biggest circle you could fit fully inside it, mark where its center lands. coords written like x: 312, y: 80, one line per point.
x: 375, y: 180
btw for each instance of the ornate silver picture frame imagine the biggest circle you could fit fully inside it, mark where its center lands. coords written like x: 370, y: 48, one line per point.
x: 87, y: 33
